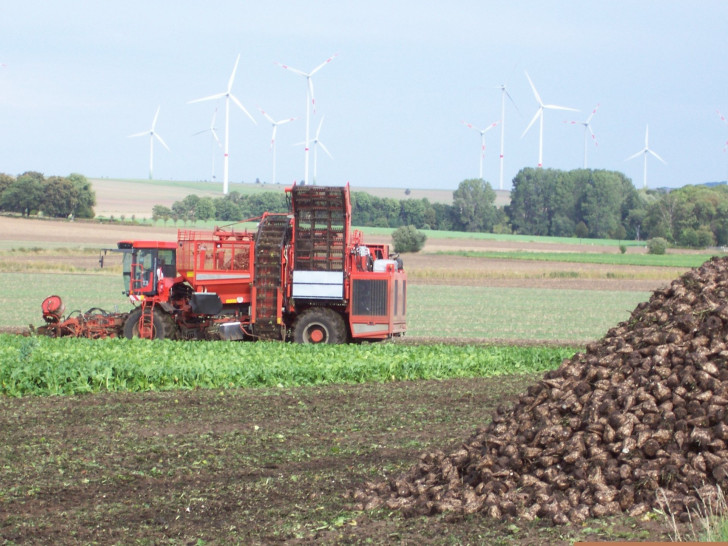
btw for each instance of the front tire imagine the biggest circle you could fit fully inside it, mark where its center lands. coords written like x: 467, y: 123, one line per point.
x: 319, y: 325
x: 163, y: 325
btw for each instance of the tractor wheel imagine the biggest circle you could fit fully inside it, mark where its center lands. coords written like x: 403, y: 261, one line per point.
x: 319, y: 325
x: 163, y: 325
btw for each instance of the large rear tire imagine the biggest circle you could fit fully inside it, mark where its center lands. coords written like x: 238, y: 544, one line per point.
x: 319, y: 325
x: 163, y: 325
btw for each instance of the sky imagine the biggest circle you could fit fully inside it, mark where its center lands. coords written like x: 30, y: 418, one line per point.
x: 78, y: 77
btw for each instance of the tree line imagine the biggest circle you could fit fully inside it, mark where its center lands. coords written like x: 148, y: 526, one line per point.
x: 580, y: 203
x: 55, y: 196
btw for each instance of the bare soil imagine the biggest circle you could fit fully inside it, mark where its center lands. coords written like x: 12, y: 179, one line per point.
x: 252, y: 466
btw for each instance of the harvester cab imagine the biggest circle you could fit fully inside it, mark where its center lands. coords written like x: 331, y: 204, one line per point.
x: 145, y: 264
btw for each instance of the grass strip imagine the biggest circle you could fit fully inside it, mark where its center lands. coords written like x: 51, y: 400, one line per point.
x: 658, y: 260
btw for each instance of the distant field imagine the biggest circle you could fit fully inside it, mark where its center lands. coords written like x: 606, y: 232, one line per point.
x: 137, y: 197
x: 455, y: 312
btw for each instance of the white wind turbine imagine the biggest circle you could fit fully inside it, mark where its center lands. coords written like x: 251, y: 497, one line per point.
x: 152, y: 135
x: 722, y: 118
x: 273, y: 138
x: 228, y: 97
x: 482, y: 140
x: 215, y: 140
x: 504, y: 94
x: 587, y: 129
x: 310, y: 99
x: 316, y: 143
x: 539, y: 114
x: 644, y: 151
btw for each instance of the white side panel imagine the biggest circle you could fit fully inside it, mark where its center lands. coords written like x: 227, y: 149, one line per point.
x: 318, y: 284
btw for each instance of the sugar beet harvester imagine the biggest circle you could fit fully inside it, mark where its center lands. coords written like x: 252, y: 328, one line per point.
x: 304, y: 276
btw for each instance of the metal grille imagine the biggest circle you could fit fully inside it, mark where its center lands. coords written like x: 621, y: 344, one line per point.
x: 369, y: 298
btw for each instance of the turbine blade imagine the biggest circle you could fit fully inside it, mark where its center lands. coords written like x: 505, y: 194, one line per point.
x: 535, y: 93
x: 214, y: 134
x: 657, y: 156
x: 324, y: 148
x: 533, y: 120
x: 211, y: 97
x: 592, y: 114
x: 555, y: 107
x: 232, y: 76
x: 489, y: 127
x: 143, y: 133
x: 159, y: 138
x: 273, y: 138
x: 641, y: 152
x: 154, y: 121
x: 318, y: 131
x: 240, y: 105
x: 594, y: 137
x: 266, y: 115
x: 294, y: 70
x: 319, y: 67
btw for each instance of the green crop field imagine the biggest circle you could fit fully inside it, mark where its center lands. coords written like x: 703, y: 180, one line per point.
x: 40, y: 365
x: 464, y: 312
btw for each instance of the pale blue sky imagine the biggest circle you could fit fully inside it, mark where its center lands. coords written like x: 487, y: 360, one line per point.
x: 81, y: 76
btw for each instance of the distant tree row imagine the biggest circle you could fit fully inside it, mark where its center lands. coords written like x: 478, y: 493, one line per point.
x: 580, y: 203
x: 600, y: 204
x: 55, y: 196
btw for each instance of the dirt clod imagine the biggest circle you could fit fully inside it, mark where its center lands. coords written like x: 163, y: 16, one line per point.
x: 638, y: 421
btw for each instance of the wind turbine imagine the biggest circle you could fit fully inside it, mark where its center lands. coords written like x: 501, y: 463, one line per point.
x: 152, y: 135
x: 228, y: 97
x: 722, y: 118
x: 482, y: 140
x: 539, y: 114
x: 587, y: 128
x: 316, y: 143
x: 644, y: 151
x: 215, y: 140
x: 504, y: 94
x: 273, y: 138
x: 310, y: 99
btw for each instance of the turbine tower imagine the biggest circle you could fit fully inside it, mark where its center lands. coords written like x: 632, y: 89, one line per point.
x: 482, y: 140
x: 310, y: 100
x: 722, y: 118
x: 228, y: 97
x: 587, y: 129
x: 152, y: 135
x: 215, y: 140
x: 504, y: 94
x: 275, y: 125
x: 539, y: 115
x: 644, y: 151
x: 316, y: 143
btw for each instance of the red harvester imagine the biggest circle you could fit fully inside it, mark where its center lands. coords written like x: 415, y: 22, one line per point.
x: 304, y: 276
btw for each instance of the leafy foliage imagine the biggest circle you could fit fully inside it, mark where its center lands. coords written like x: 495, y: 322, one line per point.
x: 44, y: 366
x: 59, y: 197
x: 656, y: 245
x: 408, y: 239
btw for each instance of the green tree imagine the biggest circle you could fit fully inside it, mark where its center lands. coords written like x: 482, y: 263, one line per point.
x: 24, y: 195
x: 5, y: 181
x: 160, y: 212
x: 474, y: 205
x: 60, y: 197
x: 205, y: 208
x: 85, y: 195
x: 408, y: 239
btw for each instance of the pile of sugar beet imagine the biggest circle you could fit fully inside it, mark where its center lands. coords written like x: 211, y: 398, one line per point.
x: 636, y: 422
